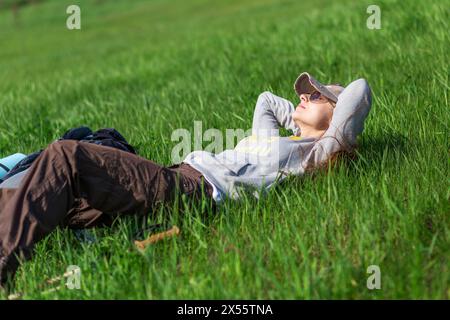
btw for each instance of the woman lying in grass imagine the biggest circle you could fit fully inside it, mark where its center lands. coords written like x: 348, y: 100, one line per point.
x: 82, y: 185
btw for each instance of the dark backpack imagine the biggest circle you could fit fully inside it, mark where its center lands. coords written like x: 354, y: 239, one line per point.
x: 109, y: 137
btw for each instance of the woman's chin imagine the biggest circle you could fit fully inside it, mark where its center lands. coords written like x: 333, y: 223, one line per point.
x: 296, y: 115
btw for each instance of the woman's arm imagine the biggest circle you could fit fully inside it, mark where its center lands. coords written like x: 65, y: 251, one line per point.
x: 351, y: 110
x: 271, y: 112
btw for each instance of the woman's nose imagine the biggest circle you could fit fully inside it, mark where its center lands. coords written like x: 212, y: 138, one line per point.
x: 303, y: 97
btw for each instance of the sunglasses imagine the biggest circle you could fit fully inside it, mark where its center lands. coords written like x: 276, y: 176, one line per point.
x: 317, y: 97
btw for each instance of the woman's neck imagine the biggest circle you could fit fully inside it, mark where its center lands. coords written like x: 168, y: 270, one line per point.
x: 308, y: 132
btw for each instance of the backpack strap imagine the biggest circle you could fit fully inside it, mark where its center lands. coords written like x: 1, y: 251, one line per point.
x: 4, y: 167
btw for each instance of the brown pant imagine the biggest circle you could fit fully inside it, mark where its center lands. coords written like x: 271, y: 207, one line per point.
x: 79, y: 184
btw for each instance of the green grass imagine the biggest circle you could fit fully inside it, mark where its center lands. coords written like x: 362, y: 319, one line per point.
x: 149, y: 67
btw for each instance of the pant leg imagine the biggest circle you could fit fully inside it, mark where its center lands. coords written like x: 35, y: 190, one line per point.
x: 110, y: 180
x: 82, y: 216
x: 193, y: 180
x: 195, y: 184
x: 5, y: 195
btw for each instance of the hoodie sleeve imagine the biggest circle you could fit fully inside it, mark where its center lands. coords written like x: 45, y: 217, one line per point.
x: 271, y: 112
x: 347, y: 123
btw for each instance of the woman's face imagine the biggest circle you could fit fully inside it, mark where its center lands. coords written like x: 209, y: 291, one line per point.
x: 314, y: 111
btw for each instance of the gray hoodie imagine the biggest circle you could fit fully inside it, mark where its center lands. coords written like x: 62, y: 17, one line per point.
x: 265, y: 158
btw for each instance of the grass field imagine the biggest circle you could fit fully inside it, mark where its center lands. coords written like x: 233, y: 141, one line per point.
x: 149, y: 67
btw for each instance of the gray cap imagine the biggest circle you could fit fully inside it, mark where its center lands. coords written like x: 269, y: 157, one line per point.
x: 306, y: 83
